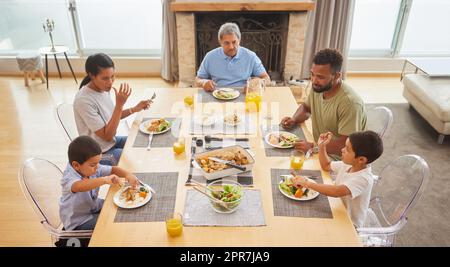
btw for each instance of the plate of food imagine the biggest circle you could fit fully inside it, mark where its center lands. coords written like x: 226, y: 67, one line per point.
x: 287, y: 188
x: 204, y: 120
x: 281, y: 139
x: 129, y: 198
x: 232, y: 120
x: 226, y: 93
x: 155, y: 126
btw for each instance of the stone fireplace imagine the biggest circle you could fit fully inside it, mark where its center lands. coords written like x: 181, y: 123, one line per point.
x: 273, y: 30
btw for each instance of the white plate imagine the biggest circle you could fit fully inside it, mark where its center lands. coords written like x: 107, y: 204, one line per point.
x: 204, y: 120
x: 144, y: 125
x: 311, y: 194
x: 235, y: 93
x: 122, y: 204
x: 232, y: 124
x: 266, y: 138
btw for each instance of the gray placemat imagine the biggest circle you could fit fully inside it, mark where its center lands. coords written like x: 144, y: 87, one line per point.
x: 198, y: 211
x: 159, y: 140
x: 207, y: 97
x: 161, y: 204
x: 245, y: 178
x: 279, y: 152
x: 283, y: 206
x: 247, y: 126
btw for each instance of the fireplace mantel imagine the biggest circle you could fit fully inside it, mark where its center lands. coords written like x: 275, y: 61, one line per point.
x: 242, y: 6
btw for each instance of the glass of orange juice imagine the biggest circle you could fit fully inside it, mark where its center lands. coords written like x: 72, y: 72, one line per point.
x: 174, y: 224
x: 297, y: 159
x: 179, y: 146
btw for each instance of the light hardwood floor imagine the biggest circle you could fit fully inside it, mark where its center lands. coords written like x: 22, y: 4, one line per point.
x: 28, y: 128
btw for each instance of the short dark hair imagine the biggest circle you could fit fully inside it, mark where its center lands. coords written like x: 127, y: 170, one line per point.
x: 329, y: 56
x: 83, y: 148
x: 367, y: 144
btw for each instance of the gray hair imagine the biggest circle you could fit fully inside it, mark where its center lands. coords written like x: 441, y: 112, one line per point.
x: 229, y: 28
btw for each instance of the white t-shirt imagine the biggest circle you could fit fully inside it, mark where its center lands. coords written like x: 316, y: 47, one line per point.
x: 92, y: 111
x: 360, y: 185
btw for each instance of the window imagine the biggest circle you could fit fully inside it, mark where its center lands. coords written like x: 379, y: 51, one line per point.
x: 373, y: 26
x: 116, y: 27
x: 120, y: 27
x: 21, y: 25
x: 391, y: 28
x: 427, y: 28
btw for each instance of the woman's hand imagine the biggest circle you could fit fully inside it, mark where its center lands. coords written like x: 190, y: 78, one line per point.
x: 324, y: 139
x: 143, y: 105
x: 123, y: 94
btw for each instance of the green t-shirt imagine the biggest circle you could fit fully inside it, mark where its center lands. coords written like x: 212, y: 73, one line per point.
x: 343, y: 114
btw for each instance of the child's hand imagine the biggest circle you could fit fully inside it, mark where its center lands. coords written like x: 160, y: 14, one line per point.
x: 300, y: 181
x: 324, y: 139
x: 133, y: 181
x: 112, y: 179
x: 303, y: 145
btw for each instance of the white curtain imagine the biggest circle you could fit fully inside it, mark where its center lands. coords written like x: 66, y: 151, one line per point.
x: 329, y: 26
x: 169, y: 55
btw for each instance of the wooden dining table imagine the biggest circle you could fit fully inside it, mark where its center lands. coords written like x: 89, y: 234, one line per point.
x: 278, y: 231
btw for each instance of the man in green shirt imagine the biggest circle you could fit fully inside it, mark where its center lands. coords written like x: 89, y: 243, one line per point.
x: 332, y: 105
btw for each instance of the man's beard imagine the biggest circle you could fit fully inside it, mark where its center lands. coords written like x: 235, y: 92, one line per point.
x: 324, y: 88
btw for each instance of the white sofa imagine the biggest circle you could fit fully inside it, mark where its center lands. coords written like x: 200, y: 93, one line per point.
x: 430, y: 96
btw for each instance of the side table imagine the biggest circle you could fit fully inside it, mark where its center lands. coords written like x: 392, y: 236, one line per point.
x: 59, y: 49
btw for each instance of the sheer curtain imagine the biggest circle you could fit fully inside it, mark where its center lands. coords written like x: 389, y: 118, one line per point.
x: 169, y: 53
x: 329, y: 26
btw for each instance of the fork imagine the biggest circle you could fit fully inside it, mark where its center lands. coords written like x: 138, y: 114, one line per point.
x: 153, y: 96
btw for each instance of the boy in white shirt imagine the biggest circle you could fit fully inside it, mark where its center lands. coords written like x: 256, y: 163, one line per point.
x: 354, y: 175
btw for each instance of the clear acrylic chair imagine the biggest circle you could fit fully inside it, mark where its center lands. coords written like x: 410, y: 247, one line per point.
x: 379, y: 120
x: 40, y: 180
x: 66, y: 118
x: 400, y: 185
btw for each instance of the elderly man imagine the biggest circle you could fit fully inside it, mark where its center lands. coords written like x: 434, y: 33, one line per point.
x: 229, y: 65
x: 333, y: 105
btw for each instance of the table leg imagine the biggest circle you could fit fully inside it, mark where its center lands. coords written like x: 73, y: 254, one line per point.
x: 46, y: 69
x: 70, y: 66
x: 57, y: 65
x: 25, y: 78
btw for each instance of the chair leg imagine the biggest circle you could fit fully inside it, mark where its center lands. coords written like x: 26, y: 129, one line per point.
x: 41, y: 75
x: 441, y: 139
x: 25, y: 78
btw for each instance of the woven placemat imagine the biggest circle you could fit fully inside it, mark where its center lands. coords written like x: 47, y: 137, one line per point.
x: 283, y: 206
x: 248, y: 125
x: 279, y: 152
x: 161, y: 204
x: 198, y: 211
x: 160, y: 140
x: 244, y: 178
x: 207, y: 97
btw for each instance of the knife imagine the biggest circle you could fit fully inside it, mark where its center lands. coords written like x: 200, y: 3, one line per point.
x: 228, y: 163
x: 150, y: 137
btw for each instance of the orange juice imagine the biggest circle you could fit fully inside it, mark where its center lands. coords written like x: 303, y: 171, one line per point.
x: 178, y: 147
x: 253, y: 101
x: 174, y: 227
x: 297, y: 162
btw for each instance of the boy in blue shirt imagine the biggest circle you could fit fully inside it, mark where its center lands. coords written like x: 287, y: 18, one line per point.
x: 79, y: 205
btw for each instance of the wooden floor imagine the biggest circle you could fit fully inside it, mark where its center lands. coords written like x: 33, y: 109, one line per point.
x: 28, y: 128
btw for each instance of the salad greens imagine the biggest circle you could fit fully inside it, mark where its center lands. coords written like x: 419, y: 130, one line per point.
x: 163, y: 126
x: 229, y: 193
